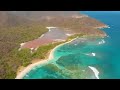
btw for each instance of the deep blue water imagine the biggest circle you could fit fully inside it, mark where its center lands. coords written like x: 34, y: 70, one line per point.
x: 72, y: 60
x: 111, y: 66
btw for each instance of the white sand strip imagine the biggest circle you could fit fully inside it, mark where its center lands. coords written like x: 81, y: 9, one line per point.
x: 96, y: 72
x: 102, y: 41
x: 50, y: 27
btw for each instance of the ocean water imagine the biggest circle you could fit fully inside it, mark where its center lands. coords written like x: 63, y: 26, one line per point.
x: 111, y: 49
x: 72, y: 60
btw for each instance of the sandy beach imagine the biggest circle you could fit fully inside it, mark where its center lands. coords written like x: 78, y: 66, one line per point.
x: 29, y: 67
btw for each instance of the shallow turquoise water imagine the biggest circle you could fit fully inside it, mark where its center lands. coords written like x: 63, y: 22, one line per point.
x: 72, y: 60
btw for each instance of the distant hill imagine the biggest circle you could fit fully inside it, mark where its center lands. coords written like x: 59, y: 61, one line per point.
x: 13, y: 18
x: 9, y: 19
x: 36, y: 15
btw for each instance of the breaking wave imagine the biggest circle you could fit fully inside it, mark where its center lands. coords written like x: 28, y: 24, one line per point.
x: 91, y: 54
x: 96, y: 72
x: 101, y: 42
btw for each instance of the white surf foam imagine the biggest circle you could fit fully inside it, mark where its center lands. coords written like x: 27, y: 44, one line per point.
x: 108, y: 26
x: 101, y: 42
x: 96, y: 72
x: 91, y: 54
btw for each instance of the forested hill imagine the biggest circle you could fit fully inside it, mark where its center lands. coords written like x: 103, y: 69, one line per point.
x: 17, y: 27
x: 13, y: 18
x: 35, y: 15
x: 8, y: 19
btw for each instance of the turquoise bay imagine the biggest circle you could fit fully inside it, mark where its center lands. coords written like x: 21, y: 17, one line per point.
x: 72, y: 60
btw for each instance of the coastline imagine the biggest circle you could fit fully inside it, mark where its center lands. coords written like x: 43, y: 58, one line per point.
x: 21, y: 74
x: 102, y: 27
x: 24, y: 70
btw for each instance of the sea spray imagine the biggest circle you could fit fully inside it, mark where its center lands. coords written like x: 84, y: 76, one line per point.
x: 91, y: 54
x: 101, y: 42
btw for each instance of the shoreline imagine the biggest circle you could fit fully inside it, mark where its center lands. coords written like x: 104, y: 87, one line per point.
x: 29, y: 67
x: 102, y: 27
x: 22, y: 72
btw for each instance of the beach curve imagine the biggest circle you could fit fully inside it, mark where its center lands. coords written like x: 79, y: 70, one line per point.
x: 29, y: 67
